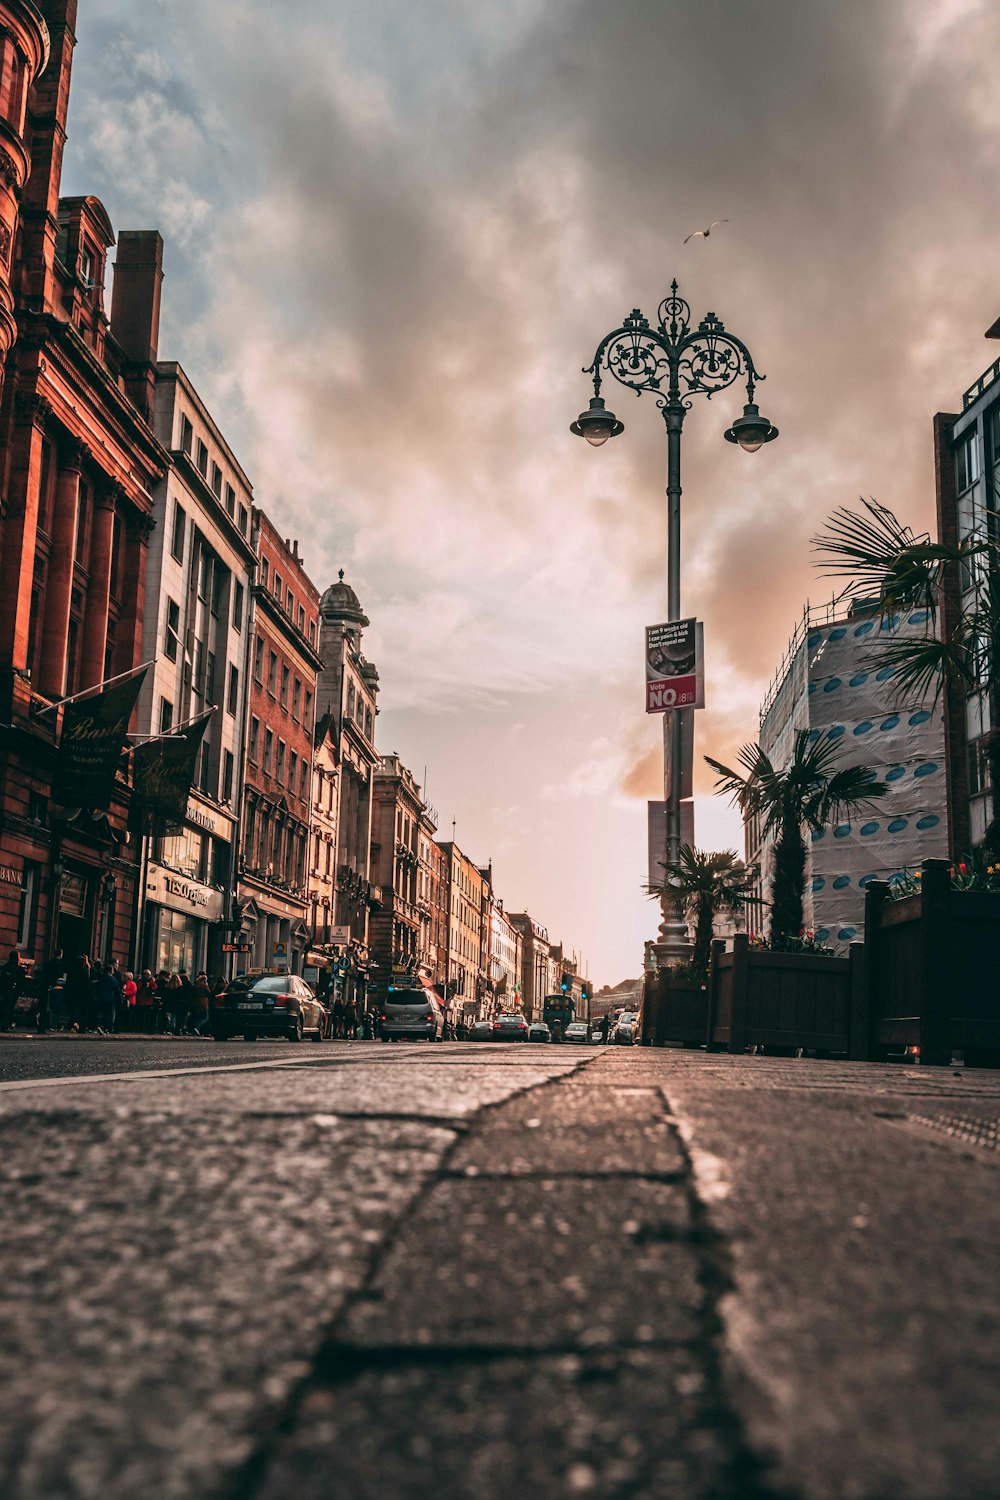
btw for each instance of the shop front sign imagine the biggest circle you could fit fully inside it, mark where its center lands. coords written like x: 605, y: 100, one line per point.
x: 181, y: 893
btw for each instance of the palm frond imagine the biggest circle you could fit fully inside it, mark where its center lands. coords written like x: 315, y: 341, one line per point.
x: 922, y: 666
x: 868, y: 547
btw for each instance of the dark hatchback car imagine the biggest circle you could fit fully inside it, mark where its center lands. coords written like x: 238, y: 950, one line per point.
x: 510, y: 1027
x: 269, y: 1005
x: 411, y: 1015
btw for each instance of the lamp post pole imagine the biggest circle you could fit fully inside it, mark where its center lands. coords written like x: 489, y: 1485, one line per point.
x: 675, y: 362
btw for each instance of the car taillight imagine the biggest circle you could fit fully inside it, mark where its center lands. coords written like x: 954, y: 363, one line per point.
x: 429, y: 1016
x: 281, y: 1001
x: 383, y: 1018
x: 496, y: 1025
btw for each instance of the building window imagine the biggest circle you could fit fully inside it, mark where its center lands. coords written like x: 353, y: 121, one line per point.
x: 217, y: 481
x: 289, y: 603
x: 312, y: 632
x: 268, y: 749
x: 205, y: 775
x: 307, y: 716
x: 198, y: 669
x: 280, y: 767
x: 244, y: 520
x: 187, y: 436
x: 302, y: 619
x: 272, y: 672
x: 166, y: 715
x: 254, y: 738
x: 238, y: 606
x: 204, y: 574
x: 227, y: 776
x: 219, y: 576
x: 293, y: 771
x: 258, y: 659
x: 285, y: 675
x: 297, y: 699
x: 210, y: 677
x: 304, y: 779
x: 277, y: 587
x: 350, y: 700
x: 230, y: 500
x: 26, y: 907
x: 368, y: 723
x: 202, y: 458
x: 233, y: 695
x: 263, y: 572
x: 171, y: 640
x: 177, y: 542
x: 967, y: 461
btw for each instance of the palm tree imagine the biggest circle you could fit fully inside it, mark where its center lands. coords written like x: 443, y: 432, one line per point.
x: 790, y: 801
x: 959, y: 652
x: 706, y: 884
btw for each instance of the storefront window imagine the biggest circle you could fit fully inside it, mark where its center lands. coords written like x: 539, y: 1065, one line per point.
x: 176, y: 942
x: 185, y: 852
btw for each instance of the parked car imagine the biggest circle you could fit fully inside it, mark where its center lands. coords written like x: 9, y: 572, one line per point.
x: 577, y: 1031
x: 411, y: 1015
x: 510, y: 1027
x: 626, y: 1033
x: 596, y: 1034
x: 539, y: 1032
x: 482, y: 1031
x: 256, y: 1005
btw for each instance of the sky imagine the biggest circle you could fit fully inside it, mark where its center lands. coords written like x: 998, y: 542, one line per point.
x: 396, y: 233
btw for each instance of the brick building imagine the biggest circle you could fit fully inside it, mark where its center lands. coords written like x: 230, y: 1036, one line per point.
x: 464, y: 968
x: 432, y: 902
x: 277, y: 793
x: 536, y: 964
x: 78, y: 463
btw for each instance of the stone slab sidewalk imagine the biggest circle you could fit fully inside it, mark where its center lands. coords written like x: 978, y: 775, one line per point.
x: 473, y: 1272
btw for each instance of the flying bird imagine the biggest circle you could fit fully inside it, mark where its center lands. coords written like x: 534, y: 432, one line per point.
x: 704, y: 233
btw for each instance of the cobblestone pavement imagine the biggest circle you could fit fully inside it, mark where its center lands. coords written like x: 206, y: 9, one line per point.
x: 473, y: 1270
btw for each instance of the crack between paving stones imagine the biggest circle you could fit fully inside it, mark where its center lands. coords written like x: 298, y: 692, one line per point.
x: 247, y: 1479
x: 749, y: 1469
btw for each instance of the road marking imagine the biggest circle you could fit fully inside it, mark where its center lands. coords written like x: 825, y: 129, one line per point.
x: 71, y: 1078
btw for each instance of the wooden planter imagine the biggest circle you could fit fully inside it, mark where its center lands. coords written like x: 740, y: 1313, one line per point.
x: 787, y: 1000
x: 674, y: 1010
x: 933, y: 969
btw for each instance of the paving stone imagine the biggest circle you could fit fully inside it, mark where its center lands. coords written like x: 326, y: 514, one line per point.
x: 539, y: 1264
x: 641, y: 1425
x: 512, y: 1149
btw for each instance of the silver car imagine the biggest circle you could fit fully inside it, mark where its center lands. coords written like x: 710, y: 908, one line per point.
x: 411, y: 1015
x: 577, y: 1031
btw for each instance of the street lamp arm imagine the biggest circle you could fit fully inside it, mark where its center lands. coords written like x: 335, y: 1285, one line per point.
x: 635, y: 354
x: 699, y: 361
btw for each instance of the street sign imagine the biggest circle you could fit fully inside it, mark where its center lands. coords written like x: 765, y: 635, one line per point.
x: 237, y: 947
x: 675, y: 666
x: 279, y: 956
x: 340, y: 936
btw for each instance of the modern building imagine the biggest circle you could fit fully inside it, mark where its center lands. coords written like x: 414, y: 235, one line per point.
x: 829, y: 685
x: 536, y: 963
x: 967, y: 474
x: 464, y: 977
x: 396, y: 925
x: 196, y: 632
x: 278, y: 787
x: 78, y: 465
x: 347, y: 692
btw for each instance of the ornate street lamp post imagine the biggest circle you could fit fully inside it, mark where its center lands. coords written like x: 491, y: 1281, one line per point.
x: 676, y: 362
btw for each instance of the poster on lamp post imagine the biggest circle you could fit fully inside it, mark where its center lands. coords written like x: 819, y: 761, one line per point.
x: 675, y: 666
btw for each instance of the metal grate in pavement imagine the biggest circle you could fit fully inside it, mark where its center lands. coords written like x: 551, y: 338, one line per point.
x: 961, y: 1129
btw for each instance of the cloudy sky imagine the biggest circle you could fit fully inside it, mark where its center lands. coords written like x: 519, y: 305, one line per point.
x: 396, y: 232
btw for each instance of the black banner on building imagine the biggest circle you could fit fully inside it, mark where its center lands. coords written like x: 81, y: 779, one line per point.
x: 94, y: 732
x: 162, y: 774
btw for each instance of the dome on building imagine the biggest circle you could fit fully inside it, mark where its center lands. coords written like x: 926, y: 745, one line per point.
x: 340, y: 602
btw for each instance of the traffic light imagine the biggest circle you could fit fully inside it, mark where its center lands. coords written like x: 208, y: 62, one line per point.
x: 585, y: 993
x: 566, y: 983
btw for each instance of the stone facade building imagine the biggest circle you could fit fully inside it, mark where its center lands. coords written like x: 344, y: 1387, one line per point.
x: 432, y: 903
x: 536, y: 960
x: 504, y: 949
x: 78, y: 464
x: 396, y: 925
x: 278, y: 789
x: 197, y: 626
x: 322, y: 880
x: 347, y: 690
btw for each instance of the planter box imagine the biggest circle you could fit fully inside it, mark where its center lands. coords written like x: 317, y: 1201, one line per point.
x: 788, y: 1000
x: 674, y: 1010
x: 933, y: 969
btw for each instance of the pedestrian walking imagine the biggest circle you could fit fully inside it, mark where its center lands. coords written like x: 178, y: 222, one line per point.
x: 79, y: 993
x: 173, y: 1004
x: 130, y: 991
x: 118, y: 978
x: 105, y: 997
x: 605, y: 1028
x: 145, y: 1002
x: 11, y: 984
x: 350, y: 1020
x: 58, y: 1013
x: 338, y: 1017
x: 201, y: 995
x: 48, y: 974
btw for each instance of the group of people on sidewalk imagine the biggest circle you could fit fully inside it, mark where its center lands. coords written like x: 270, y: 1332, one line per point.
x: 85, y: 995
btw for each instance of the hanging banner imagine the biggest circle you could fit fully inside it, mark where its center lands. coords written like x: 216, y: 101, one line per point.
x: 94, y: 732
x: 163, y: 771
x: 675, y: 666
